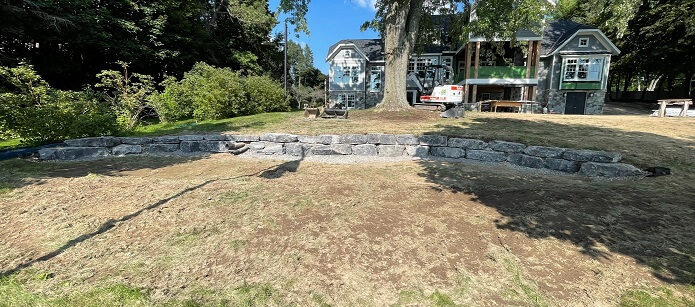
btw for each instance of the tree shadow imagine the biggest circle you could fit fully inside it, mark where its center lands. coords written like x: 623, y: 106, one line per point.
x: 650, y: 220
x: 282, y: 169
x: 113, y: 223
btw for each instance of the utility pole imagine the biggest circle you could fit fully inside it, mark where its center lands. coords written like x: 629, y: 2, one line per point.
x: 284, y: 72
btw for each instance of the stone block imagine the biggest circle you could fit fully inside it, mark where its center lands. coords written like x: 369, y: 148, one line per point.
x: 272, y: 149
x: 326, y: 139
x: 135, y: 141
x: 417, y: 151
x: 190, y: 137
x: 167, y: 139
x: 364, y: 150
x: 448, y: 152
x: 390, y: 150
x: 308, y: 139
x: 544, y: 152
x: 322, y: 150
x: 297, y: 149
x: 279, y: 137
x: 242, y: 138
x: 354, y: 139
x: 125, y: 149
x: 595, y: 169
x: 104, y: 141
x: 73, y: 153
x: 407, y: 139
x: 508, y: 147
x: 432, y: 140
x: 217, y: 146
x: 256, y: 145
x: 486, y: 155
x: 159, y: 148
x: 379, y: 138
x: 562, y: 165
x: 342, y: 149
x: 215, y: 137
x: 591, y: 156
x: 526, y: 161
x: 467, y: 143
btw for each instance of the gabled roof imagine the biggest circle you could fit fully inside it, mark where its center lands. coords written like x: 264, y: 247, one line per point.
x: 373, y: 49
x: 558, y: 33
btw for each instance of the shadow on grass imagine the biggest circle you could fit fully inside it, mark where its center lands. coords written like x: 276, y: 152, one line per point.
x: 651, y: 220
x: 112, y: 223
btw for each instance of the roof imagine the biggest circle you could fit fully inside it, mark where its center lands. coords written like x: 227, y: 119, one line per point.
x: 557, y: 32
x: 373, y: 49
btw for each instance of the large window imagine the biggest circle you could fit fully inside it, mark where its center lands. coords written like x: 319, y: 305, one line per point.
x: 583, y: 69
x: 346, y: 75
x: 375, y: 79
x: 347, y: 100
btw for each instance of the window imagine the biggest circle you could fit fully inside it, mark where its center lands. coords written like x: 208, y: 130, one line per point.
x: 347, y: 100
x: 583, y: 69
x: 346, y: 75
x: 347, y: 54
x: 571, y: 69
x: 411, y: 65
x: 583, y: 42
x: 375, y: 79
x: 355, y: 77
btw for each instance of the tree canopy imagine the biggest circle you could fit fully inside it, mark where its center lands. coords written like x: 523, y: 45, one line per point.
x: 68, y: 42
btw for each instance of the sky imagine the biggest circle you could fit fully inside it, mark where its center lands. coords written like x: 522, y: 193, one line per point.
x: 329, y: 22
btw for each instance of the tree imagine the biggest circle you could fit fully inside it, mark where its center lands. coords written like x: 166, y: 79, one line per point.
x: 68, y: 42
x: 300, y: 60
x: 399, y: 22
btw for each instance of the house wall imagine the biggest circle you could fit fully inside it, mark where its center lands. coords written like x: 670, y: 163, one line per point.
x: 549, y: 92
x: 594, y: 44
x: 335, y: 84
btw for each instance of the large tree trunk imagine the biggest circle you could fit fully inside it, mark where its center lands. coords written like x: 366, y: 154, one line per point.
x: 400, y: 34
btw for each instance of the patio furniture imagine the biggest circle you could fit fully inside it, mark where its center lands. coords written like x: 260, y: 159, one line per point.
x: 685, y: 102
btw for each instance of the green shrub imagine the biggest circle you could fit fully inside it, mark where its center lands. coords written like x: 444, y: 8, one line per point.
x: 216, y: 93
x: 208, y: 92
x: 129, y: 95
x: 265, y: 94
x: 174, y: 102
x: 30, y: 109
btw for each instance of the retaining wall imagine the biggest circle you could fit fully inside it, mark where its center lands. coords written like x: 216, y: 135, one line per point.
x: 584, y: 162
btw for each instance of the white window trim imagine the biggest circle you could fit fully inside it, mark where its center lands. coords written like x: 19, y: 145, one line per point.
x: 576, y: 76
x: 372, y: 71
x: 584, y: 42
x: 345, y: 98
x: 350, y: 66
x: 347, y: 53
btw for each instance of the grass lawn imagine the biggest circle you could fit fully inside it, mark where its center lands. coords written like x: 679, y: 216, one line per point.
x: 224, y: 230
x: 9, y: 144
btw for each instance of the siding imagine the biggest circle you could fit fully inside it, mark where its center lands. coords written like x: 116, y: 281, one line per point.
x: 339, y: 61
x: 594, y: 44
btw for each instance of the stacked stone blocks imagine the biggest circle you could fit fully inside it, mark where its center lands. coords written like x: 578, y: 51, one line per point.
x: 431, y: 146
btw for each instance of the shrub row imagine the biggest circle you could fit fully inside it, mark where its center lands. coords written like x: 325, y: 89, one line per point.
x: 35, y: 112
x: 207, y: 92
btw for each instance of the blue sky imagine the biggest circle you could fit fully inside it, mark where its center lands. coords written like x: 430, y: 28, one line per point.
x: 330, y: 21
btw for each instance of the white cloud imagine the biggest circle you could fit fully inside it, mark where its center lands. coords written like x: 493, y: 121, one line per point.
x: 371, y: 4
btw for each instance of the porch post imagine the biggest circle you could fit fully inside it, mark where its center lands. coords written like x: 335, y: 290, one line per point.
x: 467, y: 73
x: 537, y: 62
x: 477, y: 65
x: 529, y: 59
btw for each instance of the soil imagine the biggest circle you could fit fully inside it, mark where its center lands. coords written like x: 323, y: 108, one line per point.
x: 376, y: 233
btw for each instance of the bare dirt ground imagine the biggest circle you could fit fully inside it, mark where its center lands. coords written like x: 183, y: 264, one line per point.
x: 224, y: 230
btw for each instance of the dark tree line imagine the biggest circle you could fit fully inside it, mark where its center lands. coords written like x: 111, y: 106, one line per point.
x: 69, y: 42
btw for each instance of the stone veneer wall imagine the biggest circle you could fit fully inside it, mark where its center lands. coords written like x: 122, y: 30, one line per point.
x: 556, y: 101
x: 583, y: 162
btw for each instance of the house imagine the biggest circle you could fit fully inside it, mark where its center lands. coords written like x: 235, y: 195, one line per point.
x: 565, y: 69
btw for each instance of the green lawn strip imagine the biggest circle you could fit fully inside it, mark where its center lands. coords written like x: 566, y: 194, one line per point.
x: 236, y: 124
x: 15, y: 291
x: 656, y: 297
x: 10, y: 144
